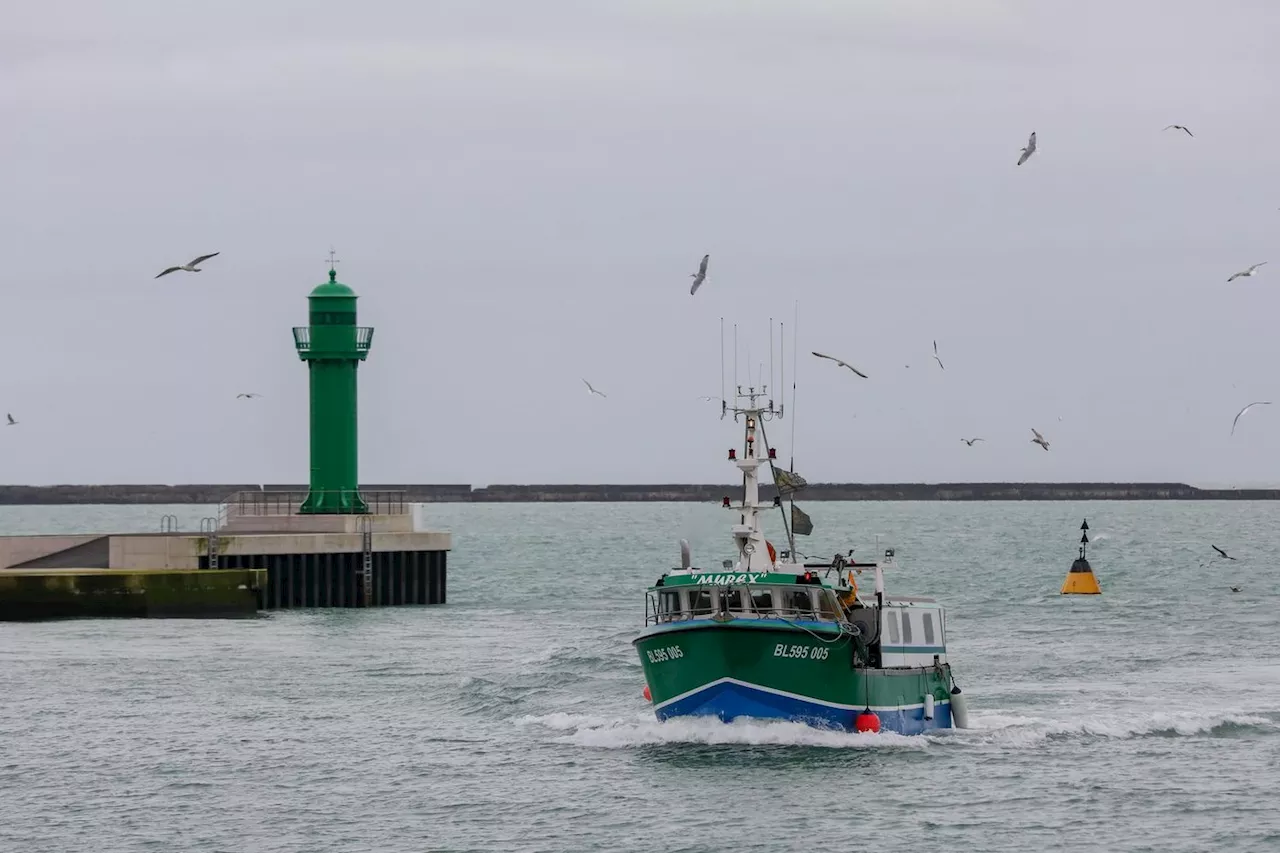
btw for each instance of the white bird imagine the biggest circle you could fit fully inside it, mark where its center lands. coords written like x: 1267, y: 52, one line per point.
x: 841, y: 363
x: 1248, y: 272
x: 709, y: 399
x: 1245, y: 409
x: 191, y: 267
x: 249, y: 396
x: 970, y: 441
x: 700, y: 276
x: 1181, y: 128
x: 592, y: 390
x: 12, y: 422
x: 935, y: 356
x: 1029, y: 150
x: 1039, y: 439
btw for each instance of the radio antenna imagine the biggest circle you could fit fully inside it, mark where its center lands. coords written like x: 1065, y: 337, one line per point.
x: 795, y: 368
x: 722, y: 397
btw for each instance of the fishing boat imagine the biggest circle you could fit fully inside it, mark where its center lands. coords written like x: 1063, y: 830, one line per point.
x: 767, y: 636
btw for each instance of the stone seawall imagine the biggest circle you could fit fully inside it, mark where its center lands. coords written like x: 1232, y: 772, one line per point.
x: 212, y: 493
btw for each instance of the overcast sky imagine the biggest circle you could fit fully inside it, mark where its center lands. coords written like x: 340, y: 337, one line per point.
x: 519, y: 191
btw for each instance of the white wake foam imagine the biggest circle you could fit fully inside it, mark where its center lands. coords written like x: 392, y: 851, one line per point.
x: 989, y: 728
x: 643, y: 730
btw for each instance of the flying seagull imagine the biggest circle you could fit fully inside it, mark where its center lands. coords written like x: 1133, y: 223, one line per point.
x: 1181, y: 128
x: 1224, y: 554
x: 1039, y: 439
x: 841, y: 363
x: 700, y: 276
x: 709, y: 399
x: 592, y: 390
x: 1029, y: 150
x: 1234, y: 588
x: 1245, y: 409
x: 11, y: 422
x: 191, y: 267
x: 970, y: 441
x: 1250, y: 271
x: 935, y: 356
x: 249, y: 396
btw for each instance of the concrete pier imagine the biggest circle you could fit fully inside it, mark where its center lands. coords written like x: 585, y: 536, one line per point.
x: 34, y: 594
x: 372, y: 560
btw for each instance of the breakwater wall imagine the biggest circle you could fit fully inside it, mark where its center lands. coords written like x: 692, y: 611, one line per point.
x: 212, y: 493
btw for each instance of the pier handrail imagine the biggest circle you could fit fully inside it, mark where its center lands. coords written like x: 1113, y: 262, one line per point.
x: 259, y: 503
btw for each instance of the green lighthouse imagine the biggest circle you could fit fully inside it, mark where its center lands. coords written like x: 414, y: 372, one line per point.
x: 333, y: 347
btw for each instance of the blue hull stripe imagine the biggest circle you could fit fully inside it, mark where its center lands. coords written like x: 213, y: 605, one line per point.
x: 729, y: 699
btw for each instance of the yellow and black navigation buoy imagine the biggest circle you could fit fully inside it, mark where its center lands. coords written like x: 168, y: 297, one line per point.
x: 1080, y: 579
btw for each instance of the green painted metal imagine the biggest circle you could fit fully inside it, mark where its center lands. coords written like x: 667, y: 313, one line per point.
x: 333, y: 347
x: 818, y: 664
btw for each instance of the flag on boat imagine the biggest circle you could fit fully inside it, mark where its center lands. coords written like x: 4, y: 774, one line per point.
x: 788, y: 482
x: 801, y: 524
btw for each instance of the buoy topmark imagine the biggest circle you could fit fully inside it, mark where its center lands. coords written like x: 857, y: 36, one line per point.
x: 867, y: 721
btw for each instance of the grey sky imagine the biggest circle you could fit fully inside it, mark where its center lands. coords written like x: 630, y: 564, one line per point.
x: 519, y: 191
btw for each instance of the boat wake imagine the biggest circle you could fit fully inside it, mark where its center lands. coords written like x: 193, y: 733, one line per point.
x: 1011, y: 729
x: 643, y: 730
x: 998, y: 729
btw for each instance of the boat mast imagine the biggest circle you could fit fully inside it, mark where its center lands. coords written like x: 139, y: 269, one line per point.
x: 752, y: 552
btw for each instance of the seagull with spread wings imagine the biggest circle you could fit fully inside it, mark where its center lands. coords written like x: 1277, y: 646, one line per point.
x: 1181, y: 128
x: 592, y: 390
x: 1246, y: 273
x: 1245, y: 409
x: 841, y: 363
x: 194, y: 266
x: 1029, y: 150
x: 1222, y: 553
x: 935, y: 356
x: 970, y: 441
x: 700, y: 276
x: 1039, y: 439
x: 11, y: 422
x: 248, y: 396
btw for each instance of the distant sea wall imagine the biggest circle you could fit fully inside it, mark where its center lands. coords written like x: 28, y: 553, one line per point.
x: 212, y: 493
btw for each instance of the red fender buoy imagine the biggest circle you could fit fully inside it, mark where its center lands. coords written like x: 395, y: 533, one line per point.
x: 648, y: 697
x: 867, y: 721
x: 773, y: 555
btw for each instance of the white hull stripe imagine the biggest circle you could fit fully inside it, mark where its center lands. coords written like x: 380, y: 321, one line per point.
x: 795, y: 696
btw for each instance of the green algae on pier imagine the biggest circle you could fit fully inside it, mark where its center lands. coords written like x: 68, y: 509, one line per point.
x: 34, y: 594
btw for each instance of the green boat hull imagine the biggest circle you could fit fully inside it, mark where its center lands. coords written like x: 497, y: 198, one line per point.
x: 773, y: 669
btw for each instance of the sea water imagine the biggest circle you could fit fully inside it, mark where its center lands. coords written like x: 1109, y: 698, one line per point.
x: 511, y: 719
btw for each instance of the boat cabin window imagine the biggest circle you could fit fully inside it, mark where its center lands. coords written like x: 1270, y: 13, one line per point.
x: 733, y: 600
x: 906, y: 627
x: 762, y: 600
x: 700, y: 602
x: 827, y: 609
x: 799, y: 602
x: 669, y: 606
x: 928, y: 628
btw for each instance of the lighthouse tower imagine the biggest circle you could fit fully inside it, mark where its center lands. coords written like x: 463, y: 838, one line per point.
x: 333, y: 347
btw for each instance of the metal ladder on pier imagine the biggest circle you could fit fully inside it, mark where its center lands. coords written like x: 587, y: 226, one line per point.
x: 209, y: 526
x: 366, y: 542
